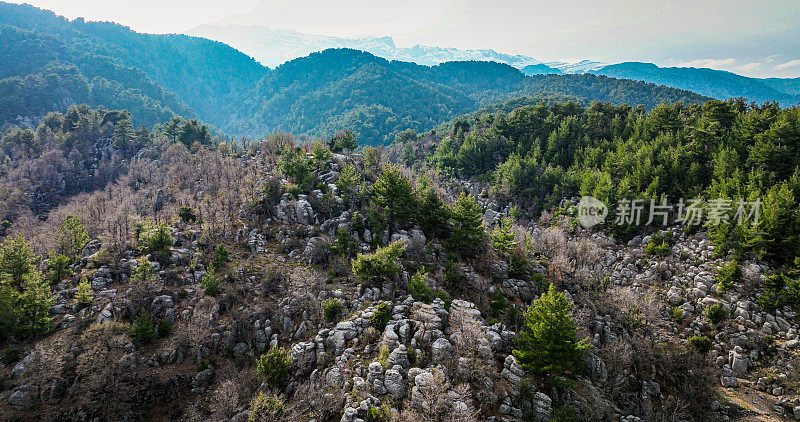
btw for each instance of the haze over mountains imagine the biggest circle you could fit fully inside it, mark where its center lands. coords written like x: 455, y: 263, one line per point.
x: 50, y: 63
x: 273, y: 47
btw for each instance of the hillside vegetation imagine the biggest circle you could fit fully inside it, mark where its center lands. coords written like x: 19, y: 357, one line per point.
x: 153, y: 268
x: 536, y: 155
x: 157, y: 271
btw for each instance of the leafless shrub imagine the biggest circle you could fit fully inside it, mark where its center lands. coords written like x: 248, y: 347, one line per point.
x: 275, y: 143
x: 318, y: 252
x: 339, y: 266
x: 275, y: 280
x: 634, y: 310
x: 583, y: 257
x: 320, y: 401
x: 467, y: 334
x: 687, y: 381
x: 468, y: 412
x: 226, y: 399
x: 551, y: 242
x: 429, y: 402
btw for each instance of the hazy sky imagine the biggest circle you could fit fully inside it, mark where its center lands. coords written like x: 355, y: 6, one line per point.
x: 753, y: 38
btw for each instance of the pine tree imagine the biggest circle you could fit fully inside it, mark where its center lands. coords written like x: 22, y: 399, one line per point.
x: 8, y: 299
x: 382, y: 264
x: 776, y: 234
x: 210, y: 283
x: 144, y: 272
x: 71, y: 237
x: 549, y: 342
x: 143, y: 327
x: 172, y: 128
x: 431, y: 211
x: 192, y: 131
x: 502, y: 238
x: 221, y: 257
x: 84, y: 295
x: 274, y: 367
x: 467, y: 234
x: 123, y: 134
x: 295, y: 164
x: 343, y: 140
x: 58, y: 266
x: 33, y: 305
x: 16, y: 259
x: 394, y: 197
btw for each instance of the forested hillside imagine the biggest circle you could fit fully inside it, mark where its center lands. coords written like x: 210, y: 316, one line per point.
x: 536, y: 155
x: 210, y: 77
x: 156, y: 271
x: 80, y: 151
x: 51, y: 63
x: 713, y: 83
x: 41, y: 73
x: 153, y: 268
x: 348, y: 89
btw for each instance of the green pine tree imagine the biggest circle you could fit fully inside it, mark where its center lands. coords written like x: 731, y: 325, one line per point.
x: 16, y: 259
x: 84, y: 295
x: 71, y: 237
x: 394, y: 198
x: 549, y: 342
x: 143, y: 327
x: 58, y: 267
x: 144, y: 271
x: 503, y: 238
x: 467, y: 233
x: 33, y: 304
x: 431, y: 213
x: 380, y: 265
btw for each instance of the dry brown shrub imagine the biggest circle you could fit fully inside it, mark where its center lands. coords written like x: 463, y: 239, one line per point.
x: 319, y: 401
x: 226, y: 399
x: 429, y: 403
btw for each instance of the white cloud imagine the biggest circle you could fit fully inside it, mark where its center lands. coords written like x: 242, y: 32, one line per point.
x: 710, y: 63
x: 772, y: 58
x: 749, y: 66
x: 789, y: 64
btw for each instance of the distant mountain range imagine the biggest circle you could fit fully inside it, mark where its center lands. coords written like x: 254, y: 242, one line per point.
x: 272, y: 47
x: 713, y: 83
x: 48, y: 63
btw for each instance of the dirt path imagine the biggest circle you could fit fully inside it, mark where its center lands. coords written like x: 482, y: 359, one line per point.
x: 756, y: 405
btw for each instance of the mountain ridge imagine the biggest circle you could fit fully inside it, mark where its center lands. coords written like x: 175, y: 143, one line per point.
x: 273, y: 47
x: 158, y: 76
x: 718, y: 84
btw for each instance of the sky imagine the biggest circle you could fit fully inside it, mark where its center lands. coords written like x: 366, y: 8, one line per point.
x: 751, y: 38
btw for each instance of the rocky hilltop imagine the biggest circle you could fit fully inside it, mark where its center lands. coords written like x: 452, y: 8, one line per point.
x: 254, y: 306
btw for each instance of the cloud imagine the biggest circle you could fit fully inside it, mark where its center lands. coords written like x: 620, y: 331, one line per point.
x: 772, y: 58
x: 711, y: 63
x: 749, y: 66
x: 789, y: 64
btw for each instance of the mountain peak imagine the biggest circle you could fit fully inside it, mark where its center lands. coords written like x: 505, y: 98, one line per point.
x: 386, y: 40
x: 274, y: 47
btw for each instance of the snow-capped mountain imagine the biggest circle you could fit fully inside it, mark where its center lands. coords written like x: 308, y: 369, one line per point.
x: 272, y: 47
x: 582, y: 66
